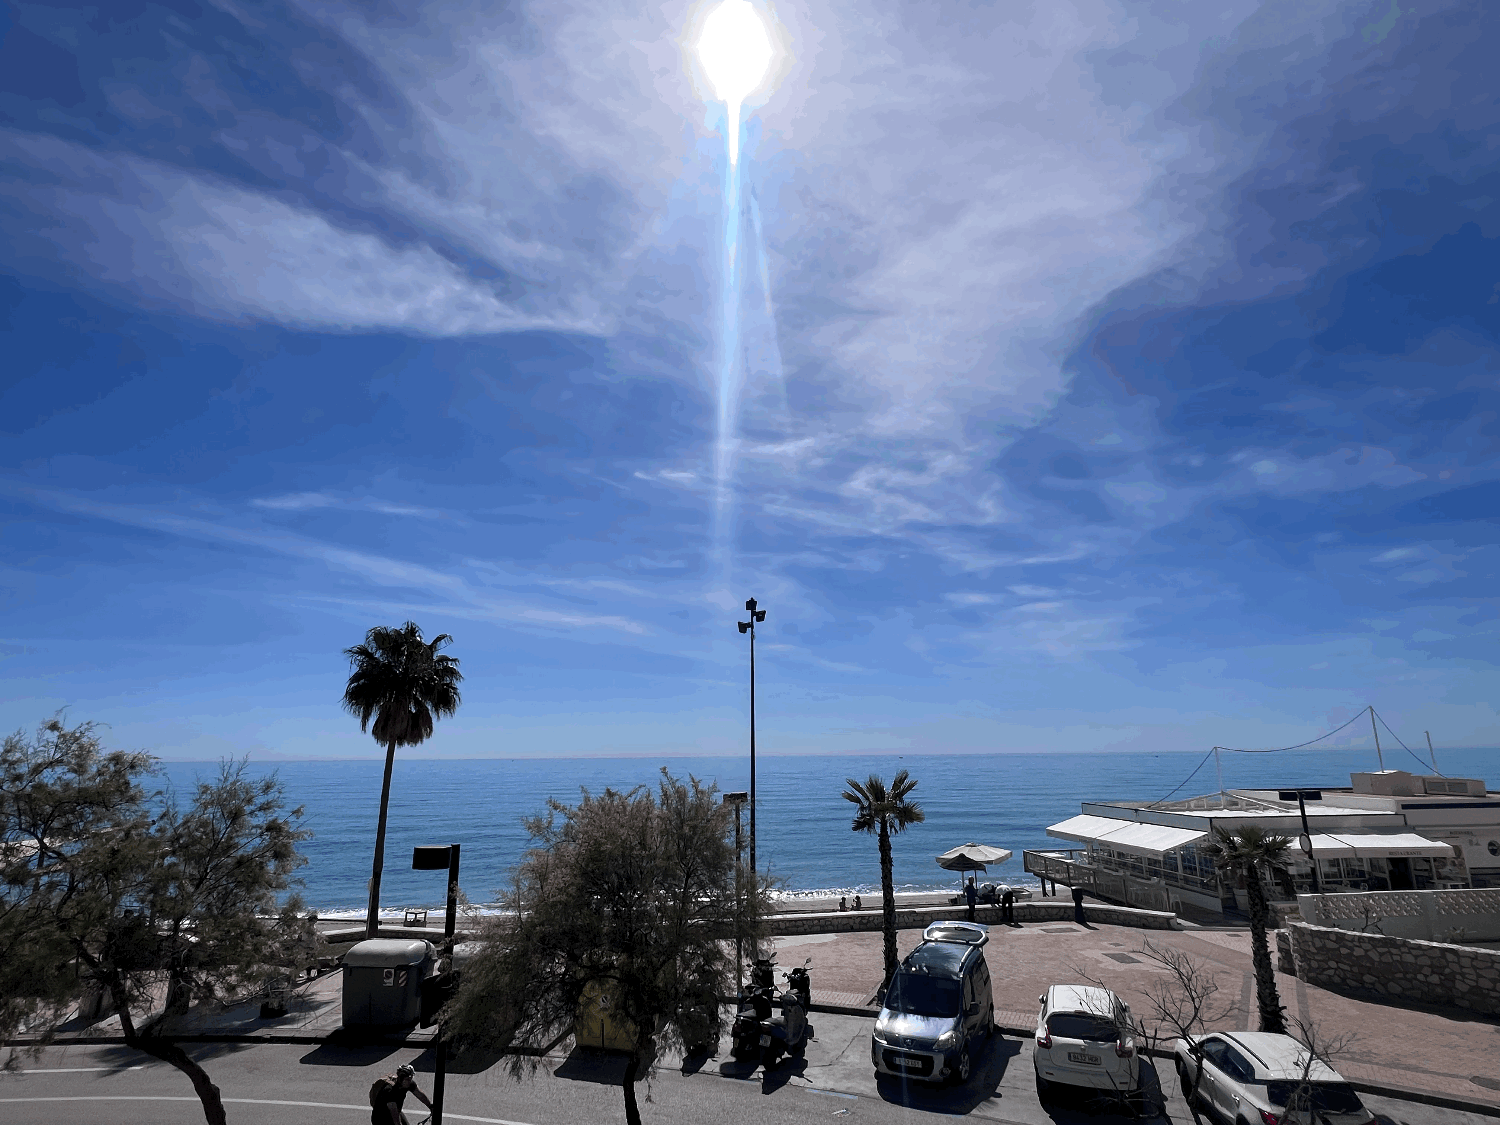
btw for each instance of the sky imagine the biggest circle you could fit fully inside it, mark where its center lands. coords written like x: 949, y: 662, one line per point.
x: 1105, y: 376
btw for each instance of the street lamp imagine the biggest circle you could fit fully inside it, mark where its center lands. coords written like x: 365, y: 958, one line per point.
x: 737, y: 799
x: 749, y: 627
x: 1305, y: 840
x: 435, y: 859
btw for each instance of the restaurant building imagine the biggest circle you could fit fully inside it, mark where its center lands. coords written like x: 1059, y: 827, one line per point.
x: 1390, y: 830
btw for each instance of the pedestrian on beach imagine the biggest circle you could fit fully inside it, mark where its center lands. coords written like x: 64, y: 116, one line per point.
x: 1008, y: 907
x: 857, y: 905
x: 1078, y: 906
x: 389, y: 1092
x: 971, y: 896
x: 843, y: 902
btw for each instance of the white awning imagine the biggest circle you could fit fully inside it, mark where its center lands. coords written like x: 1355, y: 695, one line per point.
x: 1126, y: 835
x: 1368, y: 845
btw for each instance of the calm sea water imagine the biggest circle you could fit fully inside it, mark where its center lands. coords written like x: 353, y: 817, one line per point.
x: 803, y: 825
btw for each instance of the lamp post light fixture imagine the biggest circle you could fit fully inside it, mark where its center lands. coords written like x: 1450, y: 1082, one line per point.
x: 738, y: 799
x: 437, y: 858
x: 1305, y: 840
x: 756, y: 615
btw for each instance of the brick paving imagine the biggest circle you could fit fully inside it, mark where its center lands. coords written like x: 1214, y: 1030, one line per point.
x: 1428, y: 1050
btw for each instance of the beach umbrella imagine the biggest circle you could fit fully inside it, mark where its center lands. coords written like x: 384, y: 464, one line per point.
x: 971, y: 857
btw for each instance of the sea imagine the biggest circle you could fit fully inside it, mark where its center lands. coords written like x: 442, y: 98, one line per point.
x: 803, y: 825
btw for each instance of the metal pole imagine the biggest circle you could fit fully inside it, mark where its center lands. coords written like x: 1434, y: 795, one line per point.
x: 753, y: 868
x: 448, y: 925
x: 440, y: 1063
x: 1312, y: 859
x: 739, y: 898
x: 1219, y: 767
x: 1430, y: 753
x: 1376, y: 733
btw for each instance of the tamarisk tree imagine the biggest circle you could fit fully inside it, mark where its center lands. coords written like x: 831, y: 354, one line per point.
x: 111, y: 890
x: 626, y: 899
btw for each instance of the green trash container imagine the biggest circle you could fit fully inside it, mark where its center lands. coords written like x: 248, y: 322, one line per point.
x: 383, y: 982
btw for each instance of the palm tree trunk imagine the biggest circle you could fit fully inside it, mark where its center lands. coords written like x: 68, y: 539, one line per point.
x: 1268, y: 1000
x: 372, y: 913
x: 887, y: 903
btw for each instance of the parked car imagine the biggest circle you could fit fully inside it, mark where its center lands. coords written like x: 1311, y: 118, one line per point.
x: 1084, y: 1038
x: 1261, y: 1078
x: 938, y: 1008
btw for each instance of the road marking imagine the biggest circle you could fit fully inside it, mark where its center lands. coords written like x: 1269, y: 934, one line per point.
x: 80, y: 1069
x: 247, y: 1101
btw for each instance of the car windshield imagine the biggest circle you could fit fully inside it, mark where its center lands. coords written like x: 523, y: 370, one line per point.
x: 1327, y: 1097
x: 1081, y: 1025
x: 922, y: 996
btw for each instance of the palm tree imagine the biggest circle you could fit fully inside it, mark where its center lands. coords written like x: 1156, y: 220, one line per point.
x: 400, y: 681
x: 885, y: 812
x: 1242, y: 853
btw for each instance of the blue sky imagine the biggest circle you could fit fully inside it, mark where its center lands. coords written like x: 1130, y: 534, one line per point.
x: 1114, y: 375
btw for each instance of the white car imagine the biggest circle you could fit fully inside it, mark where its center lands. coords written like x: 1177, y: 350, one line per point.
x: 1085, y: 1037
x: 1253, y: 1078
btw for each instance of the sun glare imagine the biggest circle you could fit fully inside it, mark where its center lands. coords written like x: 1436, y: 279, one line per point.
x: 735, y: 50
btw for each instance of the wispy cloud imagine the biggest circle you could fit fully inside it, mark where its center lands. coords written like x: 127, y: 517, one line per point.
x: 464, y: 598
x: 308, y: 501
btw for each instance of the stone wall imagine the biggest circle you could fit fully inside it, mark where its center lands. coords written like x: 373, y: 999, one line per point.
x: 1060, y: 910
x: 1400, y: 968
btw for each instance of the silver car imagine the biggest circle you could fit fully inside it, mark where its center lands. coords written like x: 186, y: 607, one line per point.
x: 1261, y: 1078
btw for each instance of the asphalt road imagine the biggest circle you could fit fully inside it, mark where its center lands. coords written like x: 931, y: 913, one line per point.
x: 290, y: 1085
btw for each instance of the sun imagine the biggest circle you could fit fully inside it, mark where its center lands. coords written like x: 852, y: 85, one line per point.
x: 735, y: 50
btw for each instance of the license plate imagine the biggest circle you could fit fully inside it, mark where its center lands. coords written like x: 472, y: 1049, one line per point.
x: 901, y: 1060
x: 765, y: 1040
x: 1080, y: 1057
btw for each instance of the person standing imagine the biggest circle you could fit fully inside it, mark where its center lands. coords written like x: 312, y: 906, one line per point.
x: 1008, y: 907
x: 388, y: 1094
x: 971, y: 896
x: 1078, y: 906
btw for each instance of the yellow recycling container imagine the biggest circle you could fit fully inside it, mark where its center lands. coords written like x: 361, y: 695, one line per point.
x: 598, y: 1023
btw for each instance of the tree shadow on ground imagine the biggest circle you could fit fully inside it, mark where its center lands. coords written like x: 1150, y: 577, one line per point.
x: 1077, y: 1106
x: 349, y: 1054
x: 124, y: 1057
x: 589, y: 1064
x: 988, y: 1069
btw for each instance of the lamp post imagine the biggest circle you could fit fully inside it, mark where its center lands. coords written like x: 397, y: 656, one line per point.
x: 1305, y: 841
x: 749, y: 627
x: 737, y: 799
x: 435, y: 859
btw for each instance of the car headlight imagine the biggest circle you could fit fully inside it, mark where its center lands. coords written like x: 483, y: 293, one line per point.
x: 947, y: 1039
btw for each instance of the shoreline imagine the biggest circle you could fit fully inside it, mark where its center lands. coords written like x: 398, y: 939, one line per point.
x: 784, y: 902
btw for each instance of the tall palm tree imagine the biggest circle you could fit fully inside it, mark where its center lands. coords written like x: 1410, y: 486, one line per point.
x: 398, y: 680
x: 1242, y: 853
x: 885, y: 812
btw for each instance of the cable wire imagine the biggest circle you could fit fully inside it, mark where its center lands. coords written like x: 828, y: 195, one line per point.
x: 1300, y: 745
x: 1404, y: 746
x: 1187, y: 779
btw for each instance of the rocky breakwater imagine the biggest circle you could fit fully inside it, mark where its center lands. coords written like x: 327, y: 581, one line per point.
x: 1429, y: 972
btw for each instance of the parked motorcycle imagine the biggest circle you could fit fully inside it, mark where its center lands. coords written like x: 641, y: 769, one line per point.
x: 760, y: 1032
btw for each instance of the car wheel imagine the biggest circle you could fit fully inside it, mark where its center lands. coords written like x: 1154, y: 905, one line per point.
x: 1043, y: 1087
x: 1187, y: 1084
x: 965, y: 1066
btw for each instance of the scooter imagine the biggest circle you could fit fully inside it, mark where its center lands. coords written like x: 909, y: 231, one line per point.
x: 788, y: 1031
x: 754, y: 1009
